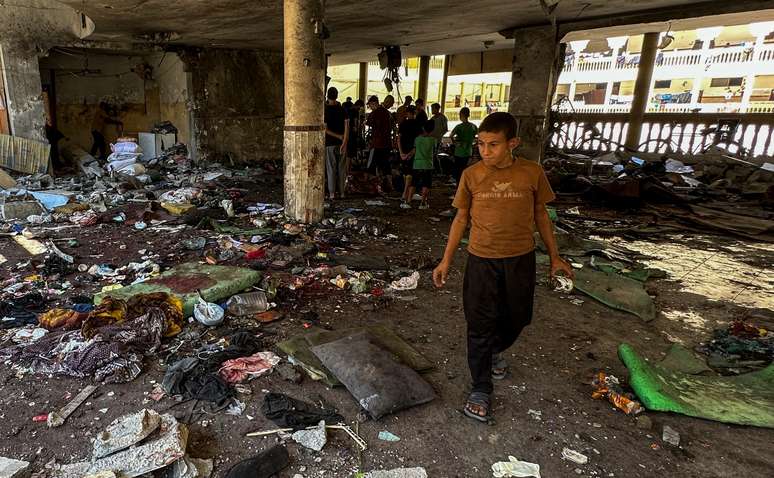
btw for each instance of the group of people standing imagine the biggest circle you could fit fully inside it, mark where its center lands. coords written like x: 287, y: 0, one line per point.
x: 406, y: 141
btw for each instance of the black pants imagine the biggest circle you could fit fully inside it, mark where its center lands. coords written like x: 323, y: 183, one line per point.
x: 99, y: 144
x: 497, y: 295
x: 460, y: 163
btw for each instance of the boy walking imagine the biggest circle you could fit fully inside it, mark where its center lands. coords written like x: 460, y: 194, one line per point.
x: 504, y: 198
x: 422, y: 174
x: 463, y: 136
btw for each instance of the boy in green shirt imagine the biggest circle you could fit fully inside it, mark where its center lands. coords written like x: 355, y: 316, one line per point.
x: 422, y: 176
x: 463, y: 135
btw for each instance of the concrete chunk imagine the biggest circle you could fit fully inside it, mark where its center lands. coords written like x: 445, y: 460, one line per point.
x: 416, y: 472
x: 10, y: 468
x: 125, y: 432
x: 314, y: 439
x: 162, y: 449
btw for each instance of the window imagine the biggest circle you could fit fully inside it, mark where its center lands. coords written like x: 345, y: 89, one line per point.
x: 600, y: 86
x: 723, y: 82
x: 663, y: 84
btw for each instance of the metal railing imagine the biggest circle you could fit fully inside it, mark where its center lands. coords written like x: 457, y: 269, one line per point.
x: 661, y: 132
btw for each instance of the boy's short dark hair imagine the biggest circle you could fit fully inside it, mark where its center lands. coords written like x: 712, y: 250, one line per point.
x: 429, y: 126
x: 465, y: 111
x: 333, y: 93
x: 499, y: 122
x: 435, y: 106
x: 373, y: 99
x: 419, y: 101
x: 359, y: 103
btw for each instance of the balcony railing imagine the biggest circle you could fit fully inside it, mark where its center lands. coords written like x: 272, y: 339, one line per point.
x: 674, y: 59
x: 752, y: 107
x: 661, y: 132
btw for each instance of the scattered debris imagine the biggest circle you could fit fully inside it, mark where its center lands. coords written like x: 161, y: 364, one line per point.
x: 387, y: 436
x: 670, y: 435
x: 574, y: 456
x: 57, y: 419
x: 515, y: 468
x: 314, y: 439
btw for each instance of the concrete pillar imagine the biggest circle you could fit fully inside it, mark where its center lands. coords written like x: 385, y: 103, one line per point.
x: 642, y: 88
x: 304, y: 133
x: 537, y: 58
x: 424, y: 77
x: 362, y: 82
x: 445, y: 81
x: 23, y: 92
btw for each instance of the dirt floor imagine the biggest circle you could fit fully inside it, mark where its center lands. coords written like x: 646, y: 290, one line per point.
x: 543, y: 406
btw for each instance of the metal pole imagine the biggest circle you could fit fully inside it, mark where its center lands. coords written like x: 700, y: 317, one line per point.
x: 642, y: 88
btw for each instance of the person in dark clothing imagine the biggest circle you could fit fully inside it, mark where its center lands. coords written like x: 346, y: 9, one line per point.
x: 102, y: 118
x: 408, y: 131
x: 348, y: 104
x: 421, y: 115
x: 380, y: 121
x: 355, y: 143
x: 336, y: 138
x: 53, y: 136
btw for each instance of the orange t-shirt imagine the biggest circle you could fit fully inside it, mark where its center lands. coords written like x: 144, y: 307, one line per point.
x: 502, y: 206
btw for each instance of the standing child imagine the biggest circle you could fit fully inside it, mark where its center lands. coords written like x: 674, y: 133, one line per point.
x: 422, y: 175
x: 408, y: 131
x: 504, y: 199
x: 463, y: 136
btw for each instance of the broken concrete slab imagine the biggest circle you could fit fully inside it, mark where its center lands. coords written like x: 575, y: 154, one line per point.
x: 10, y: 468
x: 161, y: 450
x: 126, y: 431
x: 314, y: 439
x: 416, y: 472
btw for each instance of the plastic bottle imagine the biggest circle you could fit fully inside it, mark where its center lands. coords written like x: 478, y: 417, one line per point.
x: 247, y: 304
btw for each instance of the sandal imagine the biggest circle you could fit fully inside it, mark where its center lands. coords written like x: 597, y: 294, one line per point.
x: 499, y: 367
x: 479, y: 399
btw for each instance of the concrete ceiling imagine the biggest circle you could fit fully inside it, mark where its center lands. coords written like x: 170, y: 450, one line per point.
x: 357, y: 28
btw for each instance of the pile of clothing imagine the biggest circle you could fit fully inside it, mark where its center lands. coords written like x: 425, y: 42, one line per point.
x: 125, y: 158
x: 107, y: 343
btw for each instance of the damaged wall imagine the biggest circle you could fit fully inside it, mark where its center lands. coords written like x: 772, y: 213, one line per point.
x: 23, y: 92
x: 238, y: 104
x: 82, y: 79
x: 170, y: 75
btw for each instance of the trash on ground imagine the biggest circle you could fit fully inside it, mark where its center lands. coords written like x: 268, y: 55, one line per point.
x: 515, y: 468
x: 746, y: 399
x: 574, y: 456
x: 608, y: 386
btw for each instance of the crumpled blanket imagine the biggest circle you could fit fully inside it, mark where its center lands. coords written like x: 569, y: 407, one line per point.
x: 112, y: 311
x: 244, y: 368
x: 113, y: 355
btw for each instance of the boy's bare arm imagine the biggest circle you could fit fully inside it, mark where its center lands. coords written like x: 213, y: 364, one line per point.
x: 456, y: 232
x: 546, y: 230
